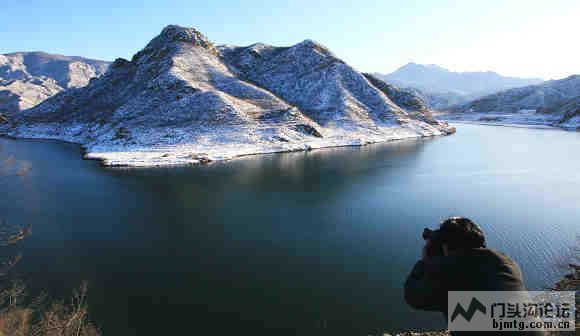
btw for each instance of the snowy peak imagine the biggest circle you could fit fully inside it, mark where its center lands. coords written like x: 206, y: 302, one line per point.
x: 413, y: 68
x: 309, y: 76
x: 313, y: 46
x: 67, y: 71
x: 173, y: 34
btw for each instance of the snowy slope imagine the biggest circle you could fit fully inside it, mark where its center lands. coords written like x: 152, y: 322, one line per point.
x: 182, y: 100
x: 552, y: 103
x: 28, y: 78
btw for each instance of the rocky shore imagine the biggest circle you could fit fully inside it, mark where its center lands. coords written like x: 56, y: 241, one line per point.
x: 570, y: 282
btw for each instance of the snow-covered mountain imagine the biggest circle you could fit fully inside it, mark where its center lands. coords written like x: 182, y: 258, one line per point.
x: 442, y: 88
x: 407, y: 99
x: 555, y: 103
x: 28, y: 78
x: 183, y: 100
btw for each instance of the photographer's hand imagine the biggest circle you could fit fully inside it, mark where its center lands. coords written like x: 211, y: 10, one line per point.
x: 425, y: 288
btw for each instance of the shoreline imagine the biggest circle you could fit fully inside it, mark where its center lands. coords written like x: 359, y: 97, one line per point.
x: 86, y: 155
x: 506, y: 120
x: 184, y: 155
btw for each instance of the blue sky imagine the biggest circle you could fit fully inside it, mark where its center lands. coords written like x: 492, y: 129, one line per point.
x: 519, y: 38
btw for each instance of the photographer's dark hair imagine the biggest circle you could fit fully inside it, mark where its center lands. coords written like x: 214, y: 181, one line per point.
x: 461, y: 233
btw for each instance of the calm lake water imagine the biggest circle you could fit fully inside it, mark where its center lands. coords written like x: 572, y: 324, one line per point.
x: 310, y: 243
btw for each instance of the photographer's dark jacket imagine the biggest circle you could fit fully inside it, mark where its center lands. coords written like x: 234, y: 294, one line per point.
x: 478, y: 269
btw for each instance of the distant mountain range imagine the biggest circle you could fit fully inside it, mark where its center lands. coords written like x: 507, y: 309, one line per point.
x: 442, y: 88
x: 183, y: 100
x: 492, y: 98
x: 28, y: 78
x: 555, y: 103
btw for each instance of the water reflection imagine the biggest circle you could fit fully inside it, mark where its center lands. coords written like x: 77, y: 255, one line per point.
x: 284, y: 243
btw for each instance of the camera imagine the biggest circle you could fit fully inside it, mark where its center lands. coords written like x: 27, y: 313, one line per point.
x: 435, y: 247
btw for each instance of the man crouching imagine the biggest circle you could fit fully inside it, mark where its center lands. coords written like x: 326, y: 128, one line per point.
x: 455, y: 258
